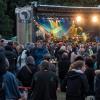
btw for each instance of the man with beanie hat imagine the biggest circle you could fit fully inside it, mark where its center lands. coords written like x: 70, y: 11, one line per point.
x: 44, y: 83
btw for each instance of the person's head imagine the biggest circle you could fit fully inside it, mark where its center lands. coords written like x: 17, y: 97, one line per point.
x: 8, y: 48
x: 89, y: 62
x: 79, y: 58
x: 19, y: 48
x: 47, y: 57
x: 64, y: 56
x: 44, y: 65
x: 15, y: 44
x: 39, y: 44
x: 2, y: 42
x: 78, y: 65
x: 10, y: 43
x: 30, y: 60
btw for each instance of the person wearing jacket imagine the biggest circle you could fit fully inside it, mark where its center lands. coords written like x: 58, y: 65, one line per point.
x: 90, y: 74
x: 26, y: 73
x: 76, y: 82
x: 12, y: 58
x: 10, y: 86
x: 98, y: 59
x: 97, y: 85
x: 63, y: 67
x: 38, y: 52
x: 44, y: 84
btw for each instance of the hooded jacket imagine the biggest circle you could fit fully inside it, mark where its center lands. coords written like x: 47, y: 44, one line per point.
x: 97, y: 84
x: 76, y: 85
x: 26, y: 73
x: 11, y: 87
x: 44, y: 85
x: 38, y: 54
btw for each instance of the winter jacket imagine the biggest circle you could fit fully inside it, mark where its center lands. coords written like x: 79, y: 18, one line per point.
x: 97, y: 85
x: 76, y: 85
x: 11, y: 87
x: 44, y: 86
x: 25, y: 76
x: 90, y: 74
x: 38, y: 54
x: 63, y: 67
x: 12, y: 58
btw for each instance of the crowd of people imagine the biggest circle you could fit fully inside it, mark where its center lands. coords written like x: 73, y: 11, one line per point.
x: 36, y: 71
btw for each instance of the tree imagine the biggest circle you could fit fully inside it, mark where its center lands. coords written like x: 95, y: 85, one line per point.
x: 6, y: 23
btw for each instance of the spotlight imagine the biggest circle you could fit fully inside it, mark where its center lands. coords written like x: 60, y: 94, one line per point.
x: 94, y: 19
x: 78, y: 19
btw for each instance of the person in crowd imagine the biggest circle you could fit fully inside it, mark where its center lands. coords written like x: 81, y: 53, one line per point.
x: 76, y: 82
x: 15, y: 44
x: 97, y: 84
x: 82, y: 50
x: 98, y: 59
x: 45, y: 83
x: 74, y: 54
x: 57, y: 48
x: 23, y: 52
x: 63, y: 67
x: 93, y: 57
x: 89, y: 72
x: 90, y: 51
x: 94, y: 48
x: 12, y: 58
x: 52, y: 65
x: 19, y: 49
x: 39, y: 51
x: 26, y: 73
x: 61, y: 51
x: 79, y: 58
x: 2, y: 44
x: 9, y: 84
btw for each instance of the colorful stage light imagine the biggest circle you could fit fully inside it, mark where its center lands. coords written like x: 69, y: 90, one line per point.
x: 56, y: 26
x: 78, y: 19
x: 94, y: 19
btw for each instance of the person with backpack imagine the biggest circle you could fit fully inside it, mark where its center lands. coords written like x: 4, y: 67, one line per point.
x: 76, y: 82
x: 8, y: 83
x: 26, y: 73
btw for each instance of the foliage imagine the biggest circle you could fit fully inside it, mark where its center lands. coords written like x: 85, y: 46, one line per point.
x: 6, y: 24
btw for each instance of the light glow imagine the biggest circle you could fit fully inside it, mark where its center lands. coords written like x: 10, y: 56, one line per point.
x: 94, y: 19
x: 78, y: 19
